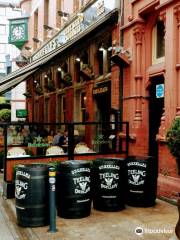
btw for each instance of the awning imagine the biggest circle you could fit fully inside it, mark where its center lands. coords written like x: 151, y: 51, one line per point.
x: 13, y: 83
x: 21, y: 74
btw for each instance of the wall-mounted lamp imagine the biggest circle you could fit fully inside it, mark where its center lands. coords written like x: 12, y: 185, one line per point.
x: 47, y: 28
x: 14, y: 7
x: 101, y: 48
x: 59, y: 69
x: 78, y: 59
x: 63, y: 14
x: 111, y: 48
x: 80, y: 14
x: 45, y: 76
x: 37, y: 40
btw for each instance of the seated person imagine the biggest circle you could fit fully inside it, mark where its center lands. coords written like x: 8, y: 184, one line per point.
x: 63, y: 140
x: 56, y: 138
x: 50, y: 137
x: 77, y: 137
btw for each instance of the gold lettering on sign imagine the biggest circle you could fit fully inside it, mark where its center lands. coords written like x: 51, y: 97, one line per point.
x: 100, y: 90
x: 73, y: 29
x: 100, y: 7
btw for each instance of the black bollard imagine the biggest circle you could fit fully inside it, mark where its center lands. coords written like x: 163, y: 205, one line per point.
x: 52, y: 197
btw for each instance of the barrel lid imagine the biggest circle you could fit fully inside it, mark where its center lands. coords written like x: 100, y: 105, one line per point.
x: 108, y: 160
x: 73, y: 164
x: 32, y: 166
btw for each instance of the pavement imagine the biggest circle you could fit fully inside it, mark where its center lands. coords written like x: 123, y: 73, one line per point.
x: 132, y: 223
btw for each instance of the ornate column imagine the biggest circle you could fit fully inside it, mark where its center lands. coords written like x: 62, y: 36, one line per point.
x: 138, y: 33
x: 177, y: 14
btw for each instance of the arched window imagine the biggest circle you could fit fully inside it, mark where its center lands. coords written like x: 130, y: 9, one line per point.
x: 158, y: 43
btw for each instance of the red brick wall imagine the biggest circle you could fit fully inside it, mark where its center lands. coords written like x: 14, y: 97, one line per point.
x: 69, y: 104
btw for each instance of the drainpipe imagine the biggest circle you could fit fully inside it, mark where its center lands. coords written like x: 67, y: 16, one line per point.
x: 121, y: 68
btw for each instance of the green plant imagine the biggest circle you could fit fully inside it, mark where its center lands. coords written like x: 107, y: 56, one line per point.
x: 173, y: 140
x: 5, y: 115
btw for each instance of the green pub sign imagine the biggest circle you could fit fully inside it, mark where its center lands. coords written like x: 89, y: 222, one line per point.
x: 18, y: 31
x: 21, y: 113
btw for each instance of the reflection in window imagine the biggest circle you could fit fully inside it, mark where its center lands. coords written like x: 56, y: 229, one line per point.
x: 158, y: 43
x: 160, y: 40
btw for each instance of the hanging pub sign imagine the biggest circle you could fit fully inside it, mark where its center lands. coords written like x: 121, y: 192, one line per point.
x: 18, y: 32
x: 21, y: 113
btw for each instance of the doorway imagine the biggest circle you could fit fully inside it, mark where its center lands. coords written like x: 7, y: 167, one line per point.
x: 156, y: 105
x: 103, y: 104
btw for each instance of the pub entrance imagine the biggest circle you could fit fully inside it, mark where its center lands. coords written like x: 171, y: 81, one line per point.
x: 156, y: 105
x: 102, y: 95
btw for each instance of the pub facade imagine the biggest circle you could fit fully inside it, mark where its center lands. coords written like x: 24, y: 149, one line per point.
x: 108, y: 61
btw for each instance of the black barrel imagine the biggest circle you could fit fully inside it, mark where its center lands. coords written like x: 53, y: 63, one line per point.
x: 32, y: 194
x: 73, y: 189
x: 141, y: 175
x: 108, y: 184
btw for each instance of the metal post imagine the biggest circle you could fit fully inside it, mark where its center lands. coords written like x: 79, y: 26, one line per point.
x: 52, y: 196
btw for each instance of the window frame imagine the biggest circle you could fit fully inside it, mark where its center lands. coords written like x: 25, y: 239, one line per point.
x: 155, y: 59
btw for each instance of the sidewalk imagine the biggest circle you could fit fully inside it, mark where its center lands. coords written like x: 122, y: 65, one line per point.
x: 99, y: 225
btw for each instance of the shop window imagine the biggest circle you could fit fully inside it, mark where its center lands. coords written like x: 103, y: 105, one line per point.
x: 158, y: 43
x: 38, y: 85
x: 104, y: 53
x: 78, y: 68
x: 64, y: 78
x: 48, y: 81
x: 100, y: 57
x: 59, y: 78
x: 83, y: 106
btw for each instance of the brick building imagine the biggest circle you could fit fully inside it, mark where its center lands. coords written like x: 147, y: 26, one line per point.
x: 94, y: 60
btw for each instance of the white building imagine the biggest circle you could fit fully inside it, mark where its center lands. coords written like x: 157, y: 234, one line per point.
x: 9, y: 52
